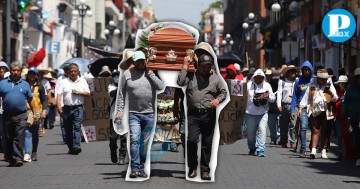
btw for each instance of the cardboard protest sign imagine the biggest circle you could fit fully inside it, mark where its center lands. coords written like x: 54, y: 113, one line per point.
x: 232, y: 117
x: 96, y: 114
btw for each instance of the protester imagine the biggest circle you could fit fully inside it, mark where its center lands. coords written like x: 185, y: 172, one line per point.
x: 113, y: 90
x: 300, y: 87
x: 105, y: 72
x: 316, y: 100
x: 179, y: 113
x: 59, y: 98
x: 351, y: 108
x: 141, y: 86
x: 40, y: 103
x: 274, y: 113
x: 73, y: 90
x: 268, y: 75
x: 230, y: 72
x: 202, y: 100
x: 3, y: 69
x: 284, y: 96
x: 259, y: 94
x: 50, y: 110
x: 342, y: 84
x: 15, y: 92
x: 239, y: 75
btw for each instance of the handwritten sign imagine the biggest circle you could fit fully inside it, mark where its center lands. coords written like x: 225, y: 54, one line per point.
x: 236, y: 88
x: 231, y: 118
x: 96, y: 114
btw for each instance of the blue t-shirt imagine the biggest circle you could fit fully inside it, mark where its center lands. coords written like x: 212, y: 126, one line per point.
x: 14, y: 95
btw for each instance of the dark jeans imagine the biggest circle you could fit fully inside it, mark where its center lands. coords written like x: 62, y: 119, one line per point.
x: 72, y: 117
x: 113, y: 141
x: 203, y: 124
x: 2, y: 135
x: 356, y: 132
x: 14, y: 129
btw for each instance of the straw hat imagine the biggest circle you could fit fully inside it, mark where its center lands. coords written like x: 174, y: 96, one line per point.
x: 287, y: 68
x: 268, y: 72
x: 127, y: 56
x: 48, y: 76
x: 342, y: 79
x: 323, y: 74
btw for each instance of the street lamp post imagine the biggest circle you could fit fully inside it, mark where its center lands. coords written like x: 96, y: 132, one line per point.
x: 110, y: 31
x: 82, y: 10
x: 250, y: 25
x: 124, y: 24
x: 227, y: 43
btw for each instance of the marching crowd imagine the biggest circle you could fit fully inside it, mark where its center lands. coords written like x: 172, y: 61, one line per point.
x: 292, y: 99
x: 288, y: 101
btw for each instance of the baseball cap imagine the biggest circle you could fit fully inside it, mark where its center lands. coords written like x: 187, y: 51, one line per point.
x: 33, y: 69
x: 138, y: 55
x: 205, y: 59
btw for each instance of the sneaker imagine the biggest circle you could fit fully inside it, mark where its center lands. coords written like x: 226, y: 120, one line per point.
x: 261, y: 154
x: 133, y: 175
x: 323, y: 154
x: 173, y: 149
x: 34, y: 156
x: 292, y: 146
x: 357, y: 163
x: 121, y: 160
x: 252, y: 152
x: 141, y: 174
x: 302, y: 153
x: 313, y: 153
x: 27, y: 158
x: 76, y: 151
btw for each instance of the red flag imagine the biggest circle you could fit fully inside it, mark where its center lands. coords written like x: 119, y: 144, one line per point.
x: 37, y: 58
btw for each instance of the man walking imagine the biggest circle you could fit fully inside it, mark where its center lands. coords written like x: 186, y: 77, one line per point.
x: 204, y: 93
x: 141, y: 86
x: 73, y: 90
x: 15, y: 92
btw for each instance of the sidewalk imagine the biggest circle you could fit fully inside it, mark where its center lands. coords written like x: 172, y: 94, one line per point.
x: 92, y: 168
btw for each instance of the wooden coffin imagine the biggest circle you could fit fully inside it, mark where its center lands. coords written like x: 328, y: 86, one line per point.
x: 168, y: 39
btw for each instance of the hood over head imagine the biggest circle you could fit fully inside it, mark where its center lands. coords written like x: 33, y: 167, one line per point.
x: 309, y: 65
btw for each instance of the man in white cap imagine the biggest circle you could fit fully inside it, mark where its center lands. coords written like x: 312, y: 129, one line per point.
x: 141, y: 86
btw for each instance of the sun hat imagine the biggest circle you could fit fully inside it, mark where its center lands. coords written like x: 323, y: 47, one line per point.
x: 342, y: 79
x: 48, y: 76
x: 124, y: 62
x: 105, y: 69
x: 268, y: 72
x: 138, y: 55
x: 323, y: 74
x: 290, y: 67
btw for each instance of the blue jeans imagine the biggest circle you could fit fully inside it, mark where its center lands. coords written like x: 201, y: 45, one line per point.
x: 141, y: 130
x: 72, y: 117
x: 304, y: 122
x: 62, y: 127
x: 274, y: 127
x: 256, y: 123
x: 31, y: 137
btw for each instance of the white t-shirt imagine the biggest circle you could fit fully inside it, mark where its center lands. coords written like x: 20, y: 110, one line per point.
x: 46, y: 85
x: 69, y: 98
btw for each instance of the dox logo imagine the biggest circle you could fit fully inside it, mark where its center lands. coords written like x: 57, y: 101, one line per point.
x: 338, y: 25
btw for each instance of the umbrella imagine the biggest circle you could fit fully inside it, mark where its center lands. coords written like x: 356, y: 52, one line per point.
x: 112, y: 63
x: 81, y: 62
x: 228, y: 58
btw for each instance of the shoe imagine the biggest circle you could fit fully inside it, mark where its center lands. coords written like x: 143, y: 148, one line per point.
x: 27, y: 158
x: 133, y: 175
x: 302, y: 153
x: 323, y: 154
x: 252, y: 152
x: 71, y: 151
x: 261, y: 154
x: 51, y: 126
x: 141, y: 174
x: 76, y: 151
x: 292, y: 146
x: 113, y: 155
x: 34, y: 156
x: 192, y: 173
x: 357, y: 163
x: 121, y: 160
x: 284, y: 145
x: 313, y: 153
x: 17, y: 163
x: 173, y: 149
x: 4, y: 159
x: 273, y: 143
x: 205, y: 176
